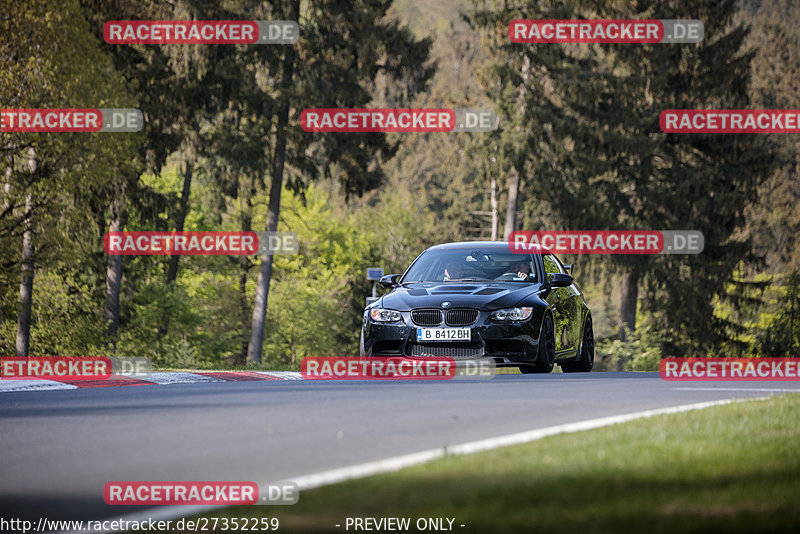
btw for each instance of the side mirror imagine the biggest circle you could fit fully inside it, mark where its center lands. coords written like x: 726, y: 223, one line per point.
x: 388, y: 281
x: 561, y: 280
x: 568, y: 268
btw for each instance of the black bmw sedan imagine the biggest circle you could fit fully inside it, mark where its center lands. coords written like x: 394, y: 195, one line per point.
x: 479, y: 299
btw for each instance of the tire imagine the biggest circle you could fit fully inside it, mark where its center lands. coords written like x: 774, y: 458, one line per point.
x: 585, y: 361
x: 546, y: 354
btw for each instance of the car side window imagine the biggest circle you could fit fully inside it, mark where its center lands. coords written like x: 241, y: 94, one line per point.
x: 551, y: 266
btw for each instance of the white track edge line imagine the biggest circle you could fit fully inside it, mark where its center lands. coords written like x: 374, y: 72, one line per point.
x: 387, y: 465
x: 757, y: 390
x: 398, y: 462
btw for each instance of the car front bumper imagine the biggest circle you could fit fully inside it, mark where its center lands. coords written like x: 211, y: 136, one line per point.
x: 506, y: 343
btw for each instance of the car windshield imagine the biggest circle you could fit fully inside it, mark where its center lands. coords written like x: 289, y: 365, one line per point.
x: 471, y: 265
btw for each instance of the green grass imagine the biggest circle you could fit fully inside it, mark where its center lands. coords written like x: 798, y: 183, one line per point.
x: 732, y: 468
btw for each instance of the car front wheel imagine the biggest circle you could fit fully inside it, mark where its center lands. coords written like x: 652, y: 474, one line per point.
x: 546, y: 355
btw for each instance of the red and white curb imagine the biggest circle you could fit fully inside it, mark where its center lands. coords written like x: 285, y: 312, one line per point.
x: 156, y: 378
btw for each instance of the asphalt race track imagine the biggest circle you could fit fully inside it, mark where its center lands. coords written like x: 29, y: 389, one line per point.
x: 59, y: 448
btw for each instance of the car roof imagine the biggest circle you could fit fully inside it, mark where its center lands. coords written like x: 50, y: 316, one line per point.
x: 495, y: 245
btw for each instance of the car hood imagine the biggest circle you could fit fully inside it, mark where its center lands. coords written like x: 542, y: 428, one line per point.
x: 487, y: 296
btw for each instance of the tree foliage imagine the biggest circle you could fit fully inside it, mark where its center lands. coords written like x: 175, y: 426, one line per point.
x: 578, y: 138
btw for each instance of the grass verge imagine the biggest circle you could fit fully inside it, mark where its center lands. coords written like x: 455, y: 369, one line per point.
x: 732, y: 468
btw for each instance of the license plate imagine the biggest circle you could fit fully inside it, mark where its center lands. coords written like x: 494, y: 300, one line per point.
x: 443, y: 334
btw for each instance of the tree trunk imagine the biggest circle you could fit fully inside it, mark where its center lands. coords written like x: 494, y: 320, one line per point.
x: 6, y: 207
x: 627, y: 302
x: 7, y: 187
x: 494, y: 209
x: 114, y: 275
x: 514, y: 174
x: 245, y: 225
x: 255, y: 347
x: 243, y: 307
x: 26, y: 282
x: 172, y: 269
x: 511, y: 210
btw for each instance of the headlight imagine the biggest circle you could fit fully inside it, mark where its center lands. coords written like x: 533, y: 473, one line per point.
x: 512, y: 314
x: 382, y: 315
